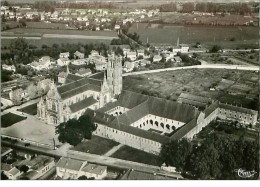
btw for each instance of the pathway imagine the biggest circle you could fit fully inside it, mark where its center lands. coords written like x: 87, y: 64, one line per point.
x: 204, y: 66
x: 113, y: 150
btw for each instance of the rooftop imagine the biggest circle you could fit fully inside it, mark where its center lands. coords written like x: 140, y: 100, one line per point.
x: 83, y: 104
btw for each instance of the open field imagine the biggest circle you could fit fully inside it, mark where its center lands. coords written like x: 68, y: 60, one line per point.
x: 231, y: 86
x: 38, y: 37
x: 135, y: 155
x: 97, y: 145
x: 10, y: 119
x: 31, y: 109
x: 246, y: 37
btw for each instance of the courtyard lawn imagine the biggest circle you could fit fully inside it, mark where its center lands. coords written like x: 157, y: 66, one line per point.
x: 10, y: 119
x: 30, y: 109
x: 97, y: 145
x: 135, y: 155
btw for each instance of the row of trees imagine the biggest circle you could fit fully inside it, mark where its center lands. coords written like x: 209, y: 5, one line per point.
x: 216, y: 158
x: 74, y: 131
x: 20, y: 52
x: 237, y: 8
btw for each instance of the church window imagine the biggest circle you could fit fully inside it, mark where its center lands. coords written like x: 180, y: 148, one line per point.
x: 156, y: 123
x: 168, y: 126
x: 151, y: 121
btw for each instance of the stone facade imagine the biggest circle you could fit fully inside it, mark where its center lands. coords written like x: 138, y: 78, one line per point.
x: 72, y: 99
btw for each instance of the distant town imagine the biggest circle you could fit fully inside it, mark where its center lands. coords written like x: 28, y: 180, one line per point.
x: 129, y: 90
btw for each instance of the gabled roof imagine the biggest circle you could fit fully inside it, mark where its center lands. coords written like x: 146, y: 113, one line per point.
x: 82, y: 104
x: 180, y: 133
x: 71, y: 164
x: 93, y: 168
x: 81, y: 85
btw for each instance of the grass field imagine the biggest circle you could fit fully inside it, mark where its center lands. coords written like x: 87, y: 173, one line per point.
x: 97, y: 145
x: 31, y: 109
x: 246, y: 37
x: 135, y: 155
x: 10, y: 119
x: 50, y: 41
x: 243, y: 90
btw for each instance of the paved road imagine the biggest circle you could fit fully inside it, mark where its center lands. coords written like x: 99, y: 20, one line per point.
x: 205, y: 66
x: 14, y: 109
x: 97, y: 159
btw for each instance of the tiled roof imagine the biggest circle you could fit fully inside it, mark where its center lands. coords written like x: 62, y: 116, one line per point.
x: 82, y: 104
x: 79, y: 90
x: 97, y: 76
x: 184, y: 130
x: 71, y: 164
x: 114, y: 123
x: 200, y: 99
x: 237, y: 109
x: 93, y: 168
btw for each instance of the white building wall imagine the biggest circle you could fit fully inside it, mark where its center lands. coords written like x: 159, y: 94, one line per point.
x: 137, y: 142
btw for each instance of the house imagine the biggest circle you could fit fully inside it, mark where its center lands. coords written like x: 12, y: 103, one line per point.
x: 9, y: 68
x: 63, y: 61
x: 140, y: 52
x: 64, y: 55
x: 10, y: 171
x: 68, y: 168
x: 131, y: 55
x: 44, y: 63
x: 78, y: 55
x: 157, y: 58
x: 177, y: 59
x: 129, y: 66
x: 62, y: 77
x: 79, y: 62
x: 83, y: 72
x: 144, y: 62
x: 39, y: 166
x: 117, y: 27
x: 97, y: 59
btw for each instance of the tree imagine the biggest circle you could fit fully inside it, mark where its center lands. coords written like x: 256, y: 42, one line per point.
x: 215, y: 49
x: 74, y: 131
x: 24, y: 168
x: 83, y: 177
x: 3, y: 176
x: 175, y: 153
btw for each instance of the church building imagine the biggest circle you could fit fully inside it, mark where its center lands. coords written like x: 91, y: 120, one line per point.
x: 73, y: 98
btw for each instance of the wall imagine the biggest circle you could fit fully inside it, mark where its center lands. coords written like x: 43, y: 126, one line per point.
x: 128, y: 139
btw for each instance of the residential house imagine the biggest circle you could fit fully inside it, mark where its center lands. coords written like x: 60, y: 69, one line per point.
x: 64, y: 55
x: 68, y: 168
x: 129, y: 66
x: 10, y: 171
x: 97, y: 59
x: 83, y: 72
x: 80, y: 62
x: 39, y: 166
x: 63, y: 61
x: 131, y: 55
x: 157, y: 58
x: 9, y: 68
x: 78, y: 55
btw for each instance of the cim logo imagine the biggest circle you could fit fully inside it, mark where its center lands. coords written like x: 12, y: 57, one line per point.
x: 245, y: 174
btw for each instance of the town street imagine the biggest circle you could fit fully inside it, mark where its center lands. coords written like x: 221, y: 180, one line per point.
x: 97, y: 159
